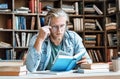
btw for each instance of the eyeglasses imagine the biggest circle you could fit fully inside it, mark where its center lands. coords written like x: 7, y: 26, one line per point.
x: 56, y: 27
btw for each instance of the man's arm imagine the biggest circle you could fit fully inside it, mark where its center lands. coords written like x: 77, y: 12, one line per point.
x: 33, y: 57
x: 35, y: 49
x: 79, y: 48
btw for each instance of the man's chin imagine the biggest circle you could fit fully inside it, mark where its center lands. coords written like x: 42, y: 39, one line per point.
x: 58, y: 37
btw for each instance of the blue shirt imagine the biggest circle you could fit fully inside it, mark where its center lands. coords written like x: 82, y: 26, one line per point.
x: 72, y: 44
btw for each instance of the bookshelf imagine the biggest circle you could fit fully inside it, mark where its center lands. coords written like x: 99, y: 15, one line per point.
x: 118, y: 31
x: 88, y: 18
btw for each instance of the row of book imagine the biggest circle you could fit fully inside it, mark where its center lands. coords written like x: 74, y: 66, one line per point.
x: 15, y: 55
x: 92, y: 9
x: 95, y: 55
x: 90, y: 24
x: 111, y: 8
x: 71, y: 9
x: 23, y: 39
x: 112, y: 39
x: 24, y: 23
x: 4, y: 7
x: 34, y: 6
x: 93, y: 40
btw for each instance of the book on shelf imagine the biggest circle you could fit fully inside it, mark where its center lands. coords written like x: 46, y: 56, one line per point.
x: 5, y: 44
x: 12, y: 73
x: 88, y: 9
x: 29, y: 35
x: 97, y: 10
x: 32, y: 6
x: 9, y: 23
x: 69, y: 8
x: 65, y: 63
x: 86, y: 71
x: 32, y: 23
x: 95, y: 66
x: 17, y: 39
x: 23, y: 39
x: 10, y: 55
x: 112, y: 39
x: 76, y: 8
x: 22, y: 10
x: 98, y: 39
x: 110, y: 53
x: 119, y: 5
x: 11, y: 62
x: 98, y: 24
x: 95, y: 55
x: 111, y: 26
x: 3, y: 6
x: 5, y: 10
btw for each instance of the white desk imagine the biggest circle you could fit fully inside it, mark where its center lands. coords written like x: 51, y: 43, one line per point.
x: 110, y: 75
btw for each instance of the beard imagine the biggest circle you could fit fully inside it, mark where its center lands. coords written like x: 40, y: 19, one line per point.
x: 56, y: 38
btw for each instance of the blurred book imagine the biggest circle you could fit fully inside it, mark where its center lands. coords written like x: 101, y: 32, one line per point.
x: 13, y: 68
x: 92, y: 70
x: 13, y: 73
x: 11, y: 62
x: 94, y: 66
x: 53, y: 72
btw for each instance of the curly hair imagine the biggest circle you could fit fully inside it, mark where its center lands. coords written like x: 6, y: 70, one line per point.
x: 56, y: 12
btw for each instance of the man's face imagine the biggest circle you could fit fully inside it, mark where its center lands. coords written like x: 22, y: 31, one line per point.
x: 58, y: 27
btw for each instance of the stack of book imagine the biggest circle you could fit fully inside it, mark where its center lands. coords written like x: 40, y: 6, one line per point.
x: 12, y: 68
x: 93, y: 68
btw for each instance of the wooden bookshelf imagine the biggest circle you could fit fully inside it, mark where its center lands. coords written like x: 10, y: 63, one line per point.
x: 87, y: 18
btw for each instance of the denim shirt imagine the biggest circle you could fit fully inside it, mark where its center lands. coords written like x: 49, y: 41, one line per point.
x: 72, y: 44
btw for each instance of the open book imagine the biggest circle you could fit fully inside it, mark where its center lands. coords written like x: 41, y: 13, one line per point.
x: 65, y: 63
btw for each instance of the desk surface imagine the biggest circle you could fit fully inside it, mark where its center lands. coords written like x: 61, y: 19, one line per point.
x: 110, y: 75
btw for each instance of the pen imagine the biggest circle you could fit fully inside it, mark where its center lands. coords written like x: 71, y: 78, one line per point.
x: 49, y: 21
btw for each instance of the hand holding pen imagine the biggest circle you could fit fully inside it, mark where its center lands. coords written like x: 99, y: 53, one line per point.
x: 45, y: 31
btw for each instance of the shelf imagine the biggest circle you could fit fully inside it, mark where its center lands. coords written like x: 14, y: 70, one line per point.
x: 87, y: 24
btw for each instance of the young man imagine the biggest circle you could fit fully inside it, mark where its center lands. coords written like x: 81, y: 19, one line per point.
x: 52, y: 38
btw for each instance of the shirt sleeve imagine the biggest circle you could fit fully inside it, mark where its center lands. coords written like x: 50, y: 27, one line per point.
x: 33, y: 58
x: 79, y: 47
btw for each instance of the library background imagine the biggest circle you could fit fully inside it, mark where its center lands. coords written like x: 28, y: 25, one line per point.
x: 96, y: 21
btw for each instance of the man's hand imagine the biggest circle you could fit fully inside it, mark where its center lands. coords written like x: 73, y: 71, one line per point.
x: 44, y: 32
x: 83, y: 60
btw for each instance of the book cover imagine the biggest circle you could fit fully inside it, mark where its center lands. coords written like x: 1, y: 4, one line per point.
x: 29, y: 35
x: 13, y: 68
x: 97, y: 10
x: 23, y: 39
x: 17, y: 39
x: 9, y: 23
x: 98, y: 24
x: 13, y: 73
x: 65, y: 63
x: 33, y: 19
x: 32, y: 6
x: 94, y: 66
x: 11, y: 62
